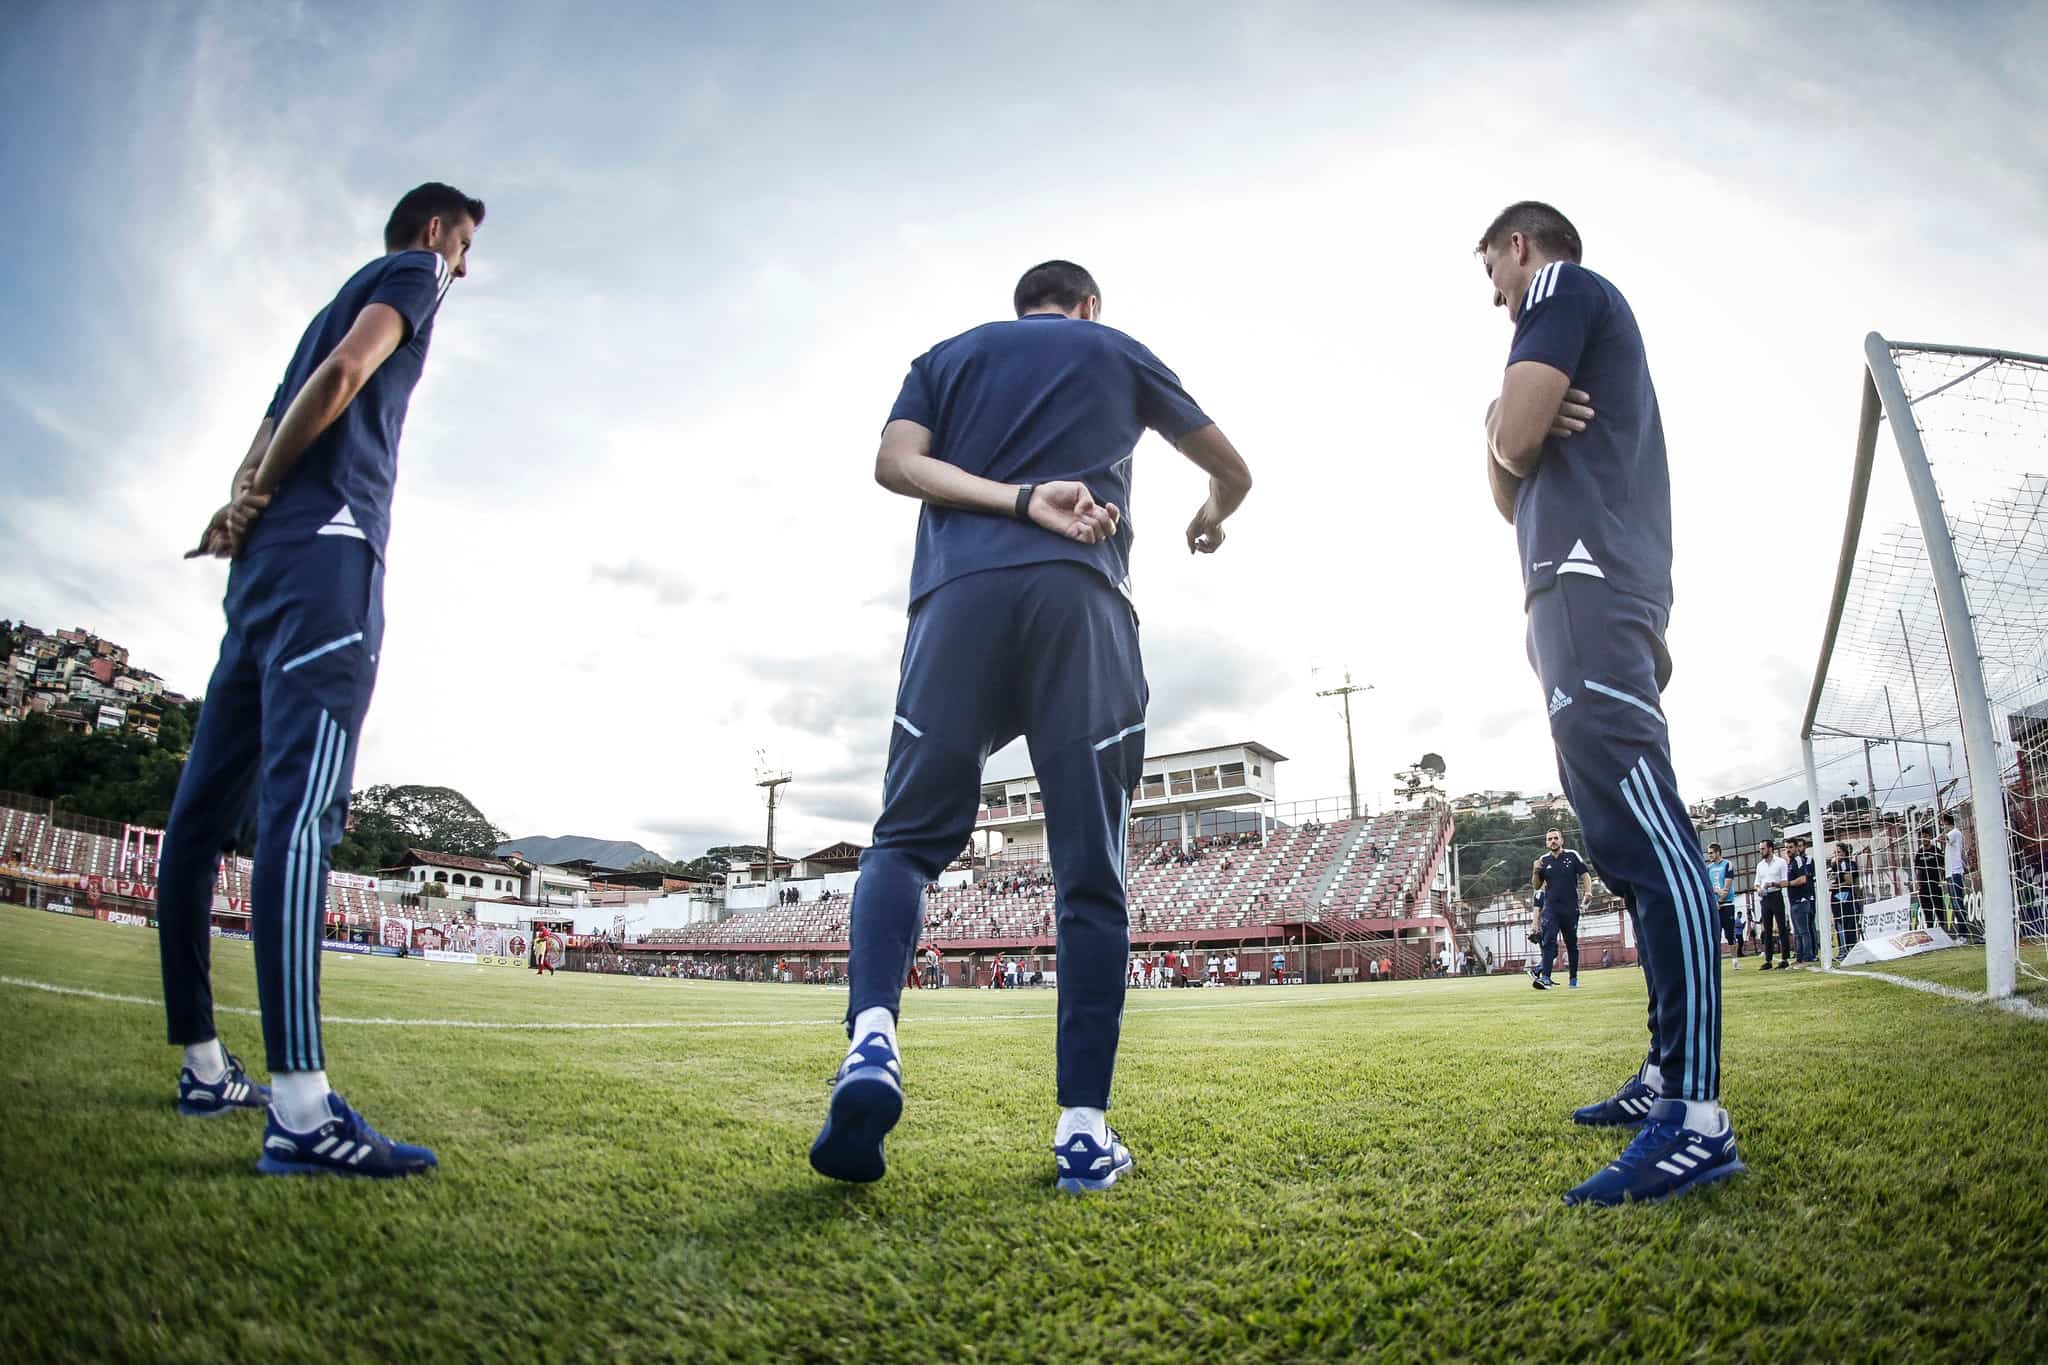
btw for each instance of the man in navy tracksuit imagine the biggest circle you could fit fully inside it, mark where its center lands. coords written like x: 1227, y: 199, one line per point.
x: 1576, y: 463
x: 1017, y: 438
x: 1562, y: 882
x: 306, y: 525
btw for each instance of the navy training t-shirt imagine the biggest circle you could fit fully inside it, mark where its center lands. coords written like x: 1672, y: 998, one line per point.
x: 1561, y: 881
x: 1801, y: 866
x: 1033, y: 400
x: 1599, y: 503
x: 342, y: 485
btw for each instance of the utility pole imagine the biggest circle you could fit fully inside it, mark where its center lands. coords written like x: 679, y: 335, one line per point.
x: 1350, y: 750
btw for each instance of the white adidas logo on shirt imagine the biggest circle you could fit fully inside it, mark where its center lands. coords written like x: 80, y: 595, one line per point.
x: 343, y: 523
x: 1580, y: 560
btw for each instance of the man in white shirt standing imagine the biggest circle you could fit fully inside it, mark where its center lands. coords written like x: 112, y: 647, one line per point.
x: 1772, y: 872
x: 1953, y: 865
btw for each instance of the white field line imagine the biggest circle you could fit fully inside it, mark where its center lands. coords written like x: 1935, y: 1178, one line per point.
x: 577, y: 1026
x: 2012, y: 1004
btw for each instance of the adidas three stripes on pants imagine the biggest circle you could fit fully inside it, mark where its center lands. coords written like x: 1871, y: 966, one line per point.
x: 1048, y: 651
x: 1600, y: 657
x: 277, y: 734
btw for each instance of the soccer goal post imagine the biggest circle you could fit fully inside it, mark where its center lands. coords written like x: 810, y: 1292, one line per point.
x: 1929, y: 707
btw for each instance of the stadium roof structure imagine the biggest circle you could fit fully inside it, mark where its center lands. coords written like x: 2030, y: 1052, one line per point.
x: 1250, y: 744
x: 461, y: 862
x: 845, y: 851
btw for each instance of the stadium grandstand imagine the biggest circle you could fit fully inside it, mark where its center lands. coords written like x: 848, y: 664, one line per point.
x: 1217, y: 863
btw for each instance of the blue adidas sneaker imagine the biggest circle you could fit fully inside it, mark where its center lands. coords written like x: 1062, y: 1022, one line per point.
x: 1085, y: 1164
x: 198, y: 1099
x: 1626, y: 1108
x: 867, y: 1099
x: 1665, y: 1160
x: 344, y: 1145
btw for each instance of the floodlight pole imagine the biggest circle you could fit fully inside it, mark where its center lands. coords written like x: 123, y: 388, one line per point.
x: 1350, y: 751
x: 773, y: 781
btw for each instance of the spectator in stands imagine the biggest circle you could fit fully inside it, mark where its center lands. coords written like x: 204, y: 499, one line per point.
x: 1771, y: 875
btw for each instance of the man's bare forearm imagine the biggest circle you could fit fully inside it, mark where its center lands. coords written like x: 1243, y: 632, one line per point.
x: 246, y: 470
x: 1230, y: 478
x: 945, y: 485
x: 326, y: 395
x: 1504, y: 487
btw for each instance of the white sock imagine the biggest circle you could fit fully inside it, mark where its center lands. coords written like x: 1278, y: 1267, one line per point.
x: 872, y: 1020
x: 299, y: 1099
x: 208, y: 1060
x: 1653, y: 1077
x: 1081, y: 1119
x: 1706, y: 1116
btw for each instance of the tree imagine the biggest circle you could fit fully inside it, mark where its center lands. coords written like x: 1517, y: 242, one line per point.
x: 175, y: 726
x: 716, y: 862
x: 373, y: 841
x: 437, y: 818
x: 108, y: 775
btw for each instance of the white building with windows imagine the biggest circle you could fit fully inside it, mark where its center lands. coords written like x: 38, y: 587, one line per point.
x: 466, y: 878
x: 1181, y: 796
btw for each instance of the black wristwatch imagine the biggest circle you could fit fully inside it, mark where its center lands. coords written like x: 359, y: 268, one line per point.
x: 1024, y: 501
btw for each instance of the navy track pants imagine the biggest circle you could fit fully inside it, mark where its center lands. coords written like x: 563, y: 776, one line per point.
x: 1565, y: 925
x: 279, y: 728
x: 1600, y: 657
x: 1048, y: 651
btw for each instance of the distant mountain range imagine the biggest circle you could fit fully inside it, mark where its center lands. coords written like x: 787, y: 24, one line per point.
x: 567, y: 848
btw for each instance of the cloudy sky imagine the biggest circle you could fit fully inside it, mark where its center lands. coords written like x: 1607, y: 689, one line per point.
x: 637, y: 537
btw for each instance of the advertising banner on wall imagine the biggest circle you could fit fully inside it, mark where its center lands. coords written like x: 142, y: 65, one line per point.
x: 500, y: 947
x: 393, y: 932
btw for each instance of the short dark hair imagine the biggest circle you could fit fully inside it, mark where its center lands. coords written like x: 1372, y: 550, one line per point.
x: 1948, y: 817
x: 1550, y: 230
x: 1713, y: 848
x: 424, y: 203
x: 1057, y: 284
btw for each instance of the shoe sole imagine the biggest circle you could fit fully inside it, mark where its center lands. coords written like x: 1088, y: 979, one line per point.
x: 269, y: 1165
x: 1070, y: 1184
x: 865, y: 1106
x: 1607, y: 1123
x: 193, y: 1111
x: 1699, y: 1181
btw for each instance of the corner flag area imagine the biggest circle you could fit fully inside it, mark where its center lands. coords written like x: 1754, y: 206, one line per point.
x: 1322, y: 1173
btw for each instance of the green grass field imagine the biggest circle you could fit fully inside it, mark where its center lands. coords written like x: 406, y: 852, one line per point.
x: 1323, y: 1173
